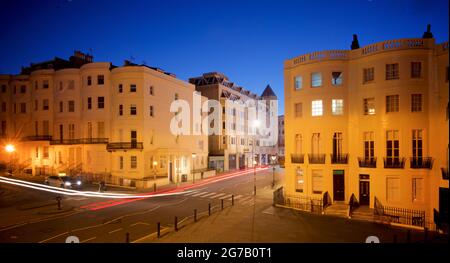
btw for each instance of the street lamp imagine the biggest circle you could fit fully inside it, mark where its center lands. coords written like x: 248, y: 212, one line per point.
x: 255, y: 125
x: 193, y: 167
x: 274, y: 158
x: 10, y: 149
x: 155, y: 163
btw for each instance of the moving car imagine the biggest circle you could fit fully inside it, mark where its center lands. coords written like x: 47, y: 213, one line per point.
x: 63, y: 181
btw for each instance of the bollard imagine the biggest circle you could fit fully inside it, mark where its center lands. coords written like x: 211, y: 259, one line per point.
x: 394, y: 239
x: 195, y: 215
x: 127, y: 237
x: 209, y: 209
x: 425, y: 233
x: 176, y: 224
x: 154, y: 187
x: 408, y: 236
x: 58, y: 199
x: 221, y: 203
x: 158, y: 229
x: 232, y: 199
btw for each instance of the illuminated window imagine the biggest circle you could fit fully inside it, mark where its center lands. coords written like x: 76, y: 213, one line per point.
x: 392, y: 71
x: 101, y: 129
x: 337, y: 107
x: 369, y: 146
x: 336, y: 78
x: 392, y: 147
x: 416, y: 102
x: 316, y: 108
x: 298, y: 82
x: 392, y: 103
x: 417, y: 145
x: 316, y: 79
x: 299, y: 180
x: 416, y: 70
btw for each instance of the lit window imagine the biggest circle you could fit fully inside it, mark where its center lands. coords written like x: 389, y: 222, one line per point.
x: 416, y: 70
x: 316, y: 79
x: 316, y: 108
x: 298, y: 82
x: 416, y: 102
x: 369, y: 106
x: 299, y: 182
x: 392, y: 103
x: 392, y: 71
x: 336, y: 78
x: 337, y: 107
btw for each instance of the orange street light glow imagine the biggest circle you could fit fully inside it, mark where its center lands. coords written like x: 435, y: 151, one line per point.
x: 10, y: 148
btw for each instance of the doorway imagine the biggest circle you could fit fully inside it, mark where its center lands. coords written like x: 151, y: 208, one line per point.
x: 338, y: 185
x: 364, y: 189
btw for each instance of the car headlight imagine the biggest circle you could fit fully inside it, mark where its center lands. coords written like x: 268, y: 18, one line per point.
x: 78, y: 182
x: 67, y: 183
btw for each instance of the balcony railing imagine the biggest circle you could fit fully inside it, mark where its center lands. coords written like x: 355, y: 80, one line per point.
x: 421, y: 162
x: 316, y: 158
x: 367, y: 162
x: 125, y: 146
x: 394, y: 162
x: 444, y: 172
x: 80, y: 141
x: 341, y: 158
x: 297, y: 158
x: 37, y: 138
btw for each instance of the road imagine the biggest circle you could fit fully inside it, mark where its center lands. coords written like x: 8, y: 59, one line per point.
x: 109, y: 220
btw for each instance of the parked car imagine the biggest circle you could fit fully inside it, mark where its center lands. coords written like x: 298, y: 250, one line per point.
x: 64, y: 181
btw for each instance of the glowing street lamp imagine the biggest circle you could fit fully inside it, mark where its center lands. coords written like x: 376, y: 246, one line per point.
x: 255, y: 125
x: 274, y: 158
x: 155, y: 163
x: 194, y: 155
x: 10, y: 149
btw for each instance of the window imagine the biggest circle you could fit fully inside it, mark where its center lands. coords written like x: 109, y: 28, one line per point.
x: 89, y: 103
x: 369, y: 106
x: 3, y: 106
x: 133, y: 110
x: 120, y: 110
x: 224, y: 140
x: 3, y: 131
x: 337, y: 107
x: 336, y: 78
x: 89, y: 80
x: 60, y: 85
x: 315, y: 143
x: 36, y: 128
x: 101, y: 102
x: 100, y: 129
x: 298, y: 143
x: 298, y: 80
x: 417, y: 190
x: 316, y: 79
x: 71, y: 84
x: 120, y: 162
x: 176, y: 96
x: 46, y: 127
x: 368, y: 75
x: 133, y: 88
x: 392, y: 189
x: 45, y: 153
x: 316, y: 108
x: 416, y: 102
x: 417, y: 144
x: 45, y: 105
x: 151, y: 90
x: 317, y: 181
x: 45, y: 84
x: 71, y: 106
x: 299, y: 180
x: 100, y: 80
x: 89, y: 130
x: 392, y: 147
x: 337, y: 143
x: 15, y: 108
x: 416, y: 70
x: 71, y: 131
x: 61, y: 106
x: 133, y: 162
x: 23, y: 89
x: 120, y: 88
x: 298, y: 109
x: 36, y: 85
x: 23, y: 107
x: 151, y: 111
x: 369, y: 146
x: 392, y: 103
x: 392, y: 71
x: 3, y: 88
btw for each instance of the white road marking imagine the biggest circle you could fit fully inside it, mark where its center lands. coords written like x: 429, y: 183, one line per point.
x: 114, y: 231
x: 246, y: 199
x: 140, y: 223
x: 89, y: 239
x: 217, y: 195
x: 213, y: 193
x: 191, y: 193
x: 199, y: 194
x: 237, y: 197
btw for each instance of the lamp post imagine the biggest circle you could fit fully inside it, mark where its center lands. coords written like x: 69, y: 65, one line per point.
x: 255, y: 126
x: 193, y: 167
x: 155, y: 163
x: 274, y: 158
x: 10, y: 149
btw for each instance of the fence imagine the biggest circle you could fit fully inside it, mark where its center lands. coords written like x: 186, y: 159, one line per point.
x: 400, y: 215
x: 304, y: 203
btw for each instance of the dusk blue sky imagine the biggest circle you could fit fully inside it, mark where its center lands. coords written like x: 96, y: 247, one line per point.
x: 246, y: 40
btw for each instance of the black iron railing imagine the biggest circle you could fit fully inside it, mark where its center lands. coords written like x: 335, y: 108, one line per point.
x: 316, y: 158
x: 304, y: 203
x: 125, y: 146
x: 421, y: 162
x: 80, y: 141
x: 399, y: 215
x: 341, y: 158
x: 37, y: 138
x: 326, y: 200
x: 444, y: 172
x: 367, y: 162
x: 394, y: 162
x: 297, y: 158
x: 352, y: 204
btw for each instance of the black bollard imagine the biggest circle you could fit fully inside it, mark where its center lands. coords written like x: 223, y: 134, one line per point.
x: 195, y: 215
x: 158, y: 229
x: 232, y: 199
x: 58, y: 199
x: 221, y: 203
x: 154, y: 187
x: 209, y: 209
x: 176, y: 223
x: 127, y: 238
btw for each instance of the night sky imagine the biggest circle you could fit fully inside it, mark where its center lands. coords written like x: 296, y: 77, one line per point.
x: 246, y: 40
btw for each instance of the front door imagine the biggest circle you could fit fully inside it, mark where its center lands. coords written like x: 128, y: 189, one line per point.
x: 338, y: 185
x: 364, y: 189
